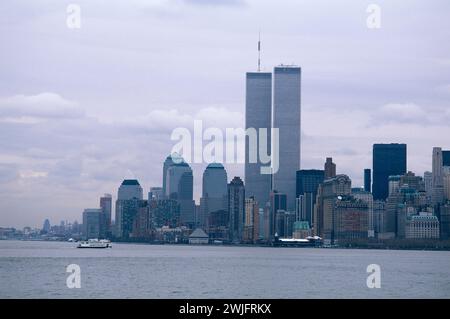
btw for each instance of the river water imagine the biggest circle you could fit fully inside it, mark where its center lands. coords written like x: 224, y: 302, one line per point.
x: 38, y: 270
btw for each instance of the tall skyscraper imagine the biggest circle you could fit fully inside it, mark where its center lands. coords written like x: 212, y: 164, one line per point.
x: 251, y: 221
x: 286, y: 117
x: 437, y: 166
x: 236, y: 209
x: 308, y: 181
x: 258, y: 115
x: 129, y: 189
x: 214, y: 192
x: 167, y: 163
x: 180, y: 186
x: 446, y: 158
x: 46, y: 226
x: 438, y: 176
x: 177, y: 176
x: 446, y: 182
x: 388, y: 159
x: 92, y: 223
x: 330, y: 168
x: 129, y: 200
x: 368, y: 180
x: 105, y: 222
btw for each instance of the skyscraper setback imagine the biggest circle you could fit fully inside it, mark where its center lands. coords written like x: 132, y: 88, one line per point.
x: 258, y: 114
x: 286, y: 117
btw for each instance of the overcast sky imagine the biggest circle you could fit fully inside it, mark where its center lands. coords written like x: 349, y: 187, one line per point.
x: 82, y: 109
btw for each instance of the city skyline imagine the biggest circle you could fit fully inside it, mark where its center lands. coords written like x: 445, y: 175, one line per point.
x: 70, y: 139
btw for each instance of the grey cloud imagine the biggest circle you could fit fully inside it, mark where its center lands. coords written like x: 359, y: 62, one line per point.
x: 43, y: 105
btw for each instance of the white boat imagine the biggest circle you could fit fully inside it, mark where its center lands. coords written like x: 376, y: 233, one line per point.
x: 95, y: 243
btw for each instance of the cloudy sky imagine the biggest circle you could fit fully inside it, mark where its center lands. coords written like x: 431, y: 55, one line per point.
x: 82, y: 109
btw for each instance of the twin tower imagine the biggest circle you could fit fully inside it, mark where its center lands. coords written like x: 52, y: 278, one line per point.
x: 273, y: 101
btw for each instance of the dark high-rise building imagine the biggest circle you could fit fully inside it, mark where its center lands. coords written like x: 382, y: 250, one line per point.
x: 330, y: 168
x: 286, y: 118
x: 278, y: 202
x: 165, y: 212
x: 236, y: 209
x: 388, y: 159
x: 258, y: 115
x: 308, y: 181
x: 445, y: 158
x: 367, y: 180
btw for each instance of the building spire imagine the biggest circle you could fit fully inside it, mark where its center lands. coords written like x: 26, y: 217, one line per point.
x: 259, y: 51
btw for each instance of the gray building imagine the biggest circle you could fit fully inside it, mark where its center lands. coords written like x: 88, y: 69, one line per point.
x: 286, y: 117
x: 214, y: 192
x: 156, y: 193
x: 105, y: 218
x: 167, y: 163
x: 332, y: 190
x: 258, y: 114
x: 92, y: 223
x: 437, y: 196
x: 129, y: 189
x: 179, y: 187
x: 129, y: 200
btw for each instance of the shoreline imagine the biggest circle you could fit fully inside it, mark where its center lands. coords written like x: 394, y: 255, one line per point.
x: 346, y: 247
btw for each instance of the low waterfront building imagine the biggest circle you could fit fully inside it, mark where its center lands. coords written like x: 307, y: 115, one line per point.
x: 422, y: 226
x: 198, y: 237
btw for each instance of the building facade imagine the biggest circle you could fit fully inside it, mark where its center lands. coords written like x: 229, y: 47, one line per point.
x: 214, y: 192
x: 236, y: 209
x: 286, y: 118
x: 388, y: 159
x: 258, y: 115
x: 92, y: 223
x: 307, y: 184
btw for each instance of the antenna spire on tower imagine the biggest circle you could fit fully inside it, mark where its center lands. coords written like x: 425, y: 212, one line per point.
x: 259, y: 51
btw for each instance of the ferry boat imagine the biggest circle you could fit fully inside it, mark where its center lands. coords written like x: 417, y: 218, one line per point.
x: 95, y: 243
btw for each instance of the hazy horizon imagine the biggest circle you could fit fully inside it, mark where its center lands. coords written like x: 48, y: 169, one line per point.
x: 82, y: 109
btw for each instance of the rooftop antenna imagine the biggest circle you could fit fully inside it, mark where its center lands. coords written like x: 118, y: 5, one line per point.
x: 259, y: 51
